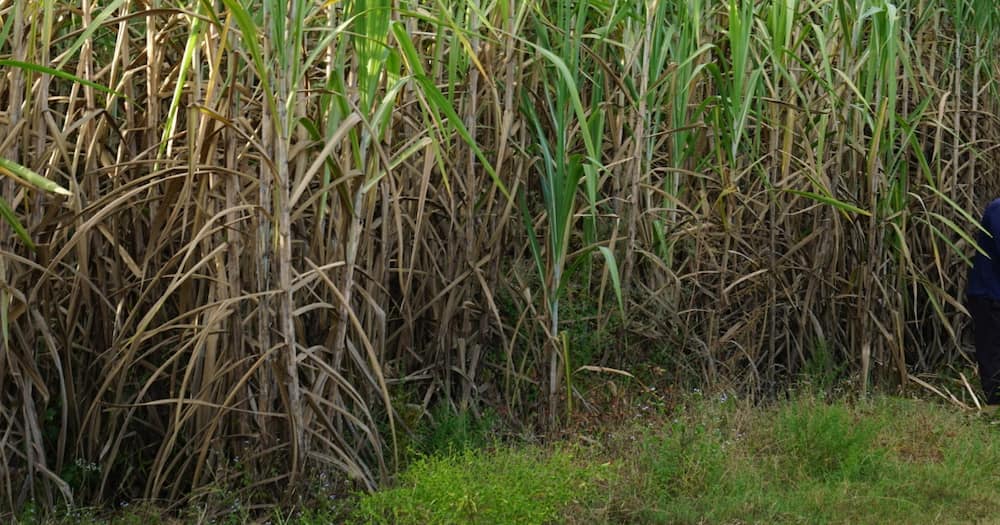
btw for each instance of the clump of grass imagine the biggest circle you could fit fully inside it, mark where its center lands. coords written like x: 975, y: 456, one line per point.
x: 686, y: 460
x: 526, y: 485
x: 828, y: 442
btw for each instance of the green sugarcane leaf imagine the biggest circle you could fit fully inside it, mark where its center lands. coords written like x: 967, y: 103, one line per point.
x: 439, y: 103
x: 840, y: 205
x: 609, y: 258
x: 8, y: 215
x: 29, y: 177
x: 27, y: 66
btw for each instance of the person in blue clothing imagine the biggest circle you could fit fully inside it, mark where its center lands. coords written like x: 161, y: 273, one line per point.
x: 983, y: 301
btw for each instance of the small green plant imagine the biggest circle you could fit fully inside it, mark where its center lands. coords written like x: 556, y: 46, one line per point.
x: 821, y: 369
x: 81, y: 474
x: 451, y: 432
x: 592, y: 329
x: 29, y: 514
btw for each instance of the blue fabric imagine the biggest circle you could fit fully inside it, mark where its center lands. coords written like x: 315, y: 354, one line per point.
x: 984, y: 278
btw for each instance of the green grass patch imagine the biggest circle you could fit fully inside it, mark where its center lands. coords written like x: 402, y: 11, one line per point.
x: 888, y: 460
x: 828, y: 442
x: 528, y: 485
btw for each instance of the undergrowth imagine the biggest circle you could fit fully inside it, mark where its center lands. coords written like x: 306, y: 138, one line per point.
x: 707, y: 460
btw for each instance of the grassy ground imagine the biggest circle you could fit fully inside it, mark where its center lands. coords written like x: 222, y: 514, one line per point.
x: 707, y: 460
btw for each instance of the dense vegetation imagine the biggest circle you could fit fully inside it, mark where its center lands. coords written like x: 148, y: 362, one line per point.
x: 274, y: 234
x: 707, y: 460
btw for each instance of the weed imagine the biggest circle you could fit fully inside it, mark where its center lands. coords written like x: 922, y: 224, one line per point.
x: 451, y: 432
x: 821, y: 369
